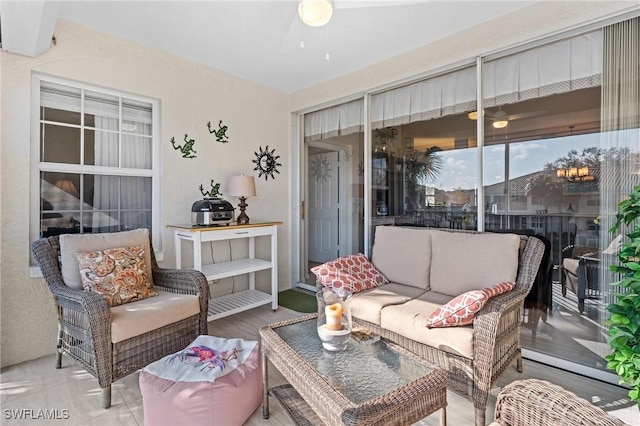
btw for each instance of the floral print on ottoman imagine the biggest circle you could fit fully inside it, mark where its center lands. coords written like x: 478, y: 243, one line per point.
x: 351, y: 274
x: 119, y: 274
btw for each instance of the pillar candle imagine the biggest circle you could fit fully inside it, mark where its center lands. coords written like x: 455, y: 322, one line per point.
x: 334, y: 316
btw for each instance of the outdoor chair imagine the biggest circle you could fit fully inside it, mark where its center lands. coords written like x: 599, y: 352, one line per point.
x: 581, y: 275
x: 112, y: 342
x: 534, y: 402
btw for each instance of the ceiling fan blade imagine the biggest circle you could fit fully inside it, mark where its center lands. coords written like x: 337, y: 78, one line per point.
x: 294, y: 36
x: 352, y: 4
x: 526, y: 115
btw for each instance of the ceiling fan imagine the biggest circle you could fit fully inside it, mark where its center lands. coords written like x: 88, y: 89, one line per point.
x: 501, y: 118
x: 317, y: 13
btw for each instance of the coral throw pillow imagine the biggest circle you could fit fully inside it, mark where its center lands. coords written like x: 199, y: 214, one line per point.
x: 118, y: 274
x: 352, y: 274
x: 461, y: 310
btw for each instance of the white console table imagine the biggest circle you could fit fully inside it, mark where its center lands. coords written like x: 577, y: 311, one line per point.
x: 243, y: 300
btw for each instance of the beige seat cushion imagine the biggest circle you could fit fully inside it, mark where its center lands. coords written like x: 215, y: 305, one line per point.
x: 366, y: 305
x: 403, y: 255
x: 463, y: 261
x: 133, y: 319
x: 571, y: 265
x: 73, y: 243
x: 410, y: 319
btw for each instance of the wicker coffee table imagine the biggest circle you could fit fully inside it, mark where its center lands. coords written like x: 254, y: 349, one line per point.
x: 374, y: 384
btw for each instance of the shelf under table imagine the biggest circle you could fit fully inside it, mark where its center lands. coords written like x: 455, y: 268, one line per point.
x: 230, y: 304
x: 220, y: 270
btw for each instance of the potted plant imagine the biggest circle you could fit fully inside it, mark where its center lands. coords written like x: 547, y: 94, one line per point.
x: 624, y: 323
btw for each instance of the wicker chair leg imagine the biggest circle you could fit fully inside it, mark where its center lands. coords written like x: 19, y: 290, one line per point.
x: 519, y: 363
x: 106, y: 397
x: 480, y: 416
x: 58, y: 359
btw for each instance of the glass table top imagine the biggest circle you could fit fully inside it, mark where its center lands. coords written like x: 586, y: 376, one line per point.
x: 361, y: 371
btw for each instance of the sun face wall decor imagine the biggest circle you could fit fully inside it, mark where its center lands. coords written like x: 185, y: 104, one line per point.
x: 266, y: 163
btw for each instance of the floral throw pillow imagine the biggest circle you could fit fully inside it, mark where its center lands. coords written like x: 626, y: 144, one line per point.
x: 461, y: 310
x: 119, y: 274
x: 352, y: 273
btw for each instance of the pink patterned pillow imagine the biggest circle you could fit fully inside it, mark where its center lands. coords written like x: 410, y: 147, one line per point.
x: 118, y: 274
x: 352, y: 273
x: 461, y: 310
x: 498, y: 289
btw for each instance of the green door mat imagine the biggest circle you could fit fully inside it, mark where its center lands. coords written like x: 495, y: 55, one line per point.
x: 298, y: 301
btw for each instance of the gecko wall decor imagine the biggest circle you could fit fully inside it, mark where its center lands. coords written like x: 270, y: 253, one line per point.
x: 214, y: 192
x: 221, y: 132
x: 186, y: 149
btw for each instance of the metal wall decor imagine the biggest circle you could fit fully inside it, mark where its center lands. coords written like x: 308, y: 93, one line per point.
x: 221, y: 133
x: 186, y: 149
x: 214, y: 192
x: 266, y: 163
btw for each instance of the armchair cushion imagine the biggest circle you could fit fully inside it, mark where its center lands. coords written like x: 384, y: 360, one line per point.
x: 134, y: 319
x: 352, y: 273
x: 118, y: 274
x: 70, y: 244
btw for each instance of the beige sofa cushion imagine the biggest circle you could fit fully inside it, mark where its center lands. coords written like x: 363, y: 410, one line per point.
x: 403, y: 255
x: 461, y: 262
x: 367, y: 305
x: 410, y: 318
x: 134, y: 319
x: 70, y: 244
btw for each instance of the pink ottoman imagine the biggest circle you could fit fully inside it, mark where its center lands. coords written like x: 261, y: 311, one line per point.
x: 214, y: 381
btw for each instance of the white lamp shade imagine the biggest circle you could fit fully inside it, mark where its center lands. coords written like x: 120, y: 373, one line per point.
x: 242, y: 186
x: 315, y: 13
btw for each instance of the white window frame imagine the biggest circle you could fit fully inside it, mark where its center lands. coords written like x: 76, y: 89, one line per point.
x: 36, y: 166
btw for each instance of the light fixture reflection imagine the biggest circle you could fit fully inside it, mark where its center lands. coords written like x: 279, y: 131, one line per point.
x: 500, y: 124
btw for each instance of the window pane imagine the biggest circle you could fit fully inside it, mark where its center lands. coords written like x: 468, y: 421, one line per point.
x: 135, y: 193
x: 102, y: 192
x: 59, y: 203
x: 59, y: 103
x: 59, y: 144
x: 99, y: 221
x: 136, y: 117
x: 100, y: 148
x: 135, y: 220
x: 60, y: 116
x: 103, y: 109
x: 136, y: 152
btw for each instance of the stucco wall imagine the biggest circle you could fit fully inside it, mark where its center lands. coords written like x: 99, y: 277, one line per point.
x: 190, y: 95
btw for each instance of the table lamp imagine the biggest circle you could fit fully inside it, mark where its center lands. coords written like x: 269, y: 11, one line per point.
x: 242, y: 186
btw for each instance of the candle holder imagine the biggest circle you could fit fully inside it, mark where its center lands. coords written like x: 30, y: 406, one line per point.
x: 334, y: 319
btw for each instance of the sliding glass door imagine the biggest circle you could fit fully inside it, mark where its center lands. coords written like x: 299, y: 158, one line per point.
x: 560, y: 149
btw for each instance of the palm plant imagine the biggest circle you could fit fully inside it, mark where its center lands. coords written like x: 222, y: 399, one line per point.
x: 624, y: 323
x: 419, y: 169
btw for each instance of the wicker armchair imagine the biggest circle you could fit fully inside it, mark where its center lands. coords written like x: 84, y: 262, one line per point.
x: 84, y: 321
x: 533, y: 402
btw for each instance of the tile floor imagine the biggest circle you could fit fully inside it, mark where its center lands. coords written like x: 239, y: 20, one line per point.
x: 74, y: 396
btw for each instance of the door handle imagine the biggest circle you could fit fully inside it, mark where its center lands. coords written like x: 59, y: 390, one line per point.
x: 302, y: 210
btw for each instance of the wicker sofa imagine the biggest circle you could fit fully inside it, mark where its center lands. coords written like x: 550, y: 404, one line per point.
x: 427, y: 268
x: 534, y: 402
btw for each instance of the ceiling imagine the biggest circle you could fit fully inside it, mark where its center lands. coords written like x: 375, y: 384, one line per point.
x: 260, y: 40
